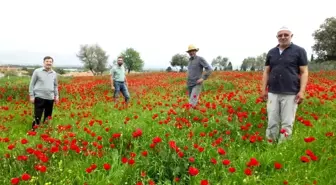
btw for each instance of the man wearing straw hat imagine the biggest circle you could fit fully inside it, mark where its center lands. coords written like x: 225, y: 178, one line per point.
x: 285, y: 78
x: 195, y: 74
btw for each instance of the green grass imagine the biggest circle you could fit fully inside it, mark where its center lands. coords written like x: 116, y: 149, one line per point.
x: 163, y: 96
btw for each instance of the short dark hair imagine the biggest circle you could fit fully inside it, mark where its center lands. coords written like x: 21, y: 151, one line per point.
x: 48, y: 57
x: 121, y: 57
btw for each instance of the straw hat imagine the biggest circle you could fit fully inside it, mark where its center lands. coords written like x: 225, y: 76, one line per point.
x: 192, y: 48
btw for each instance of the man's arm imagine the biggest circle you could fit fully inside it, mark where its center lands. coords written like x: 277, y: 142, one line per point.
x: 264, y: 83
x: 304, y: 78
x: 265, y: 78
x: 303, y: 65
x: 125, y: 75
x: 112, y: 81
x: 56, y: 88
x: 32, y: 84
x: 112, y: 78
x: 207, y: 67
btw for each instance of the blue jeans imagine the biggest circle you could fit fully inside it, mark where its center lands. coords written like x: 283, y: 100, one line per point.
x: 121, y: 87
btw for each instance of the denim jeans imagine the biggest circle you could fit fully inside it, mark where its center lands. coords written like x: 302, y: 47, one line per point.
x: 121, y: 87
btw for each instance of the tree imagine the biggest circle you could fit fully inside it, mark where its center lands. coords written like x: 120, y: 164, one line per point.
x: 59, y: 71
x: 220, y: 62
x: 254, y: 63
x: 249, y: 63
x: 229, y: 67
x: 132, y: 60
x: 215, y: 62
x: 224, y: 62
x: 169, y: 69
x: 260, y: 62
x: 243, y: 66
x: 94, y: 58
x: 325, y: 40
x: 180, y: 60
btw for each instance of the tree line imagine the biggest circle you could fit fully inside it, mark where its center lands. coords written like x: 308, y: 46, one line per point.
x: 221, y: 63
x: 95, y: 59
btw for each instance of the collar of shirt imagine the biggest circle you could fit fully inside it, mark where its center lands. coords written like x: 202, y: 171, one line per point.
x: 290, y: 45
x: 280, y: 51
x: 49, y: 71
x: 193, y: 57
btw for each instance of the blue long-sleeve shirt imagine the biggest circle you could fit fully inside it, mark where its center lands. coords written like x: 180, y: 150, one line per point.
x: 195, y: 70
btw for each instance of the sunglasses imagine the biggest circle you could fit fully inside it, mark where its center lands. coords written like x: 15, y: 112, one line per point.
x: 285, y: 35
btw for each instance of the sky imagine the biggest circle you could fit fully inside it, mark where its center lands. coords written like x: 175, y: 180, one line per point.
x: 157, y: 29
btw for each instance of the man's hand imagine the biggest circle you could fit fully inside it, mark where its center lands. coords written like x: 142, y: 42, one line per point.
x: 264, y: 95
x: 199, y: 81
x: 56, y: 100
x: 299, y: 97
x: 32, y: 99
x: 112, y: 87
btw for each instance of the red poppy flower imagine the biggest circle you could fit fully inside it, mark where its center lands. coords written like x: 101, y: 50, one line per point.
x: 193, y: 171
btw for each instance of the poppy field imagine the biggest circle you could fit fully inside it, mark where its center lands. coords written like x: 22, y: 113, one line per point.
x: 158, y: 139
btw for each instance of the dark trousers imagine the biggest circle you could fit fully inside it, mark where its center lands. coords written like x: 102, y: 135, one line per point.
x: 40, y: 106
x: 121, y: 87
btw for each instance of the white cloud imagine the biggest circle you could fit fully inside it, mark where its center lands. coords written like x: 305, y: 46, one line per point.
x: 157, y: 29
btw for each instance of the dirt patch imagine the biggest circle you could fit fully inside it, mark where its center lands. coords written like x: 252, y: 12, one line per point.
x: 78, y: 74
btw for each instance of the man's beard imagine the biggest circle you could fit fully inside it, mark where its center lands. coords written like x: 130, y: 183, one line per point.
x: 120, y: 64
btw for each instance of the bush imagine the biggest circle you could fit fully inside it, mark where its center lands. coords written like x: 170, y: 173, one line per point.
x: 10, y: 73
x: 169, y: 69
x: 59, y: 71
x: 317, y: 66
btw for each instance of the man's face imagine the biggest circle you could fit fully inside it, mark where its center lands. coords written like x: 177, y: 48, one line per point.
x: 120, y: 61
x: 284, y: 37
x: 48, y: 63
x: 192, y: 53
